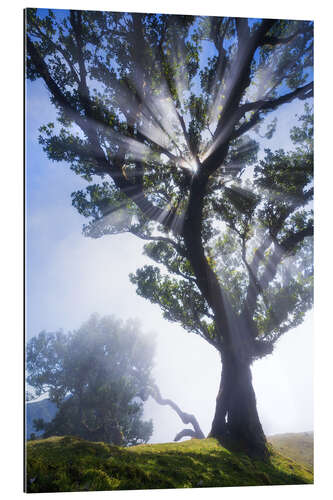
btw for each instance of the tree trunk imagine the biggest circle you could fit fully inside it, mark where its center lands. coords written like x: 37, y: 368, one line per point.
x: 236, y: 423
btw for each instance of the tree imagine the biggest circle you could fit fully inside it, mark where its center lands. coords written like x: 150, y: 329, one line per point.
x: 95, y: 376
x: 98, y: 376
x: 159, y: 113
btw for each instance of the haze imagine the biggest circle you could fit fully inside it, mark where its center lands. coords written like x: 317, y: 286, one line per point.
x: 69, y: 277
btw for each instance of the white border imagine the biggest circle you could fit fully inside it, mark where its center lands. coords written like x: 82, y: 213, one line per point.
x: 11, y: 236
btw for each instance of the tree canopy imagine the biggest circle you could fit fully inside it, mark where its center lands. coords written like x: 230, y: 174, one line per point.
x: 95, y: 375
x: 162, y: 115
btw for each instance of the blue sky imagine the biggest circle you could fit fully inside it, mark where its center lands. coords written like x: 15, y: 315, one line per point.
x: 69, y: 277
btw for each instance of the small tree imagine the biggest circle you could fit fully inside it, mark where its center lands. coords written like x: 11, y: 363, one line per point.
x: 95, y: 375
x: 160, y: 108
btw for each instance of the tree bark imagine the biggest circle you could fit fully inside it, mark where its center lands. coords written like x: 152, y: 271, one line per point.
x: 236, y: 422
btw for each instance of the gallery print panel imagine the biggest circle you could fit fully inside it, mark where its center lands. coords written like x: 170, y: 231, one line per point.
x: 169, y: 251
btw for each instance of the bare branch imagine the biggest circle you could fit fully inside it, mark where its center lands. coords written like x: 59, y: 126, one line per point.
x: 186, y: 433
x: 186, y: 418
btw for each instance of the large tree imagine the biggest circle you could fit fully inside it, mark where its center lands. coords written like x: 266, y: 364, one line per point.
x: 159, y: 113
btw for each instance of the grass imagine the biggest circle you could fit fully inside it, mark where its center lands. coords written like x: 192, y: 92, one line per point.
x: 298, y: 447
x: 72, y: 464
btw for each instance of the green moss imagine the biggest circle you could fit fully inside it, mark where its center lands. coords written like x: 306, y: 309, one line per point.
x: 72, y: 464
x: 98, y: 480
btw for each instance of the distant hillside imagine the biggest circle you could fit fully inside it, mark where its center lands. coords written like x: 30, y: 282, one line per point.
x: 44, y: 409
x: 72, y: 464
x: 298, y: 446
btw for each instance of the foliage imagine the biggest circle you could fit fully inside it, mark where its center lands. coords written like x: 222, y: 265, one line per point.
x: 160, y: 108
x: 95, y: 376
x: 70, y: 464
x: 35, y: 410
x: 161, y: 114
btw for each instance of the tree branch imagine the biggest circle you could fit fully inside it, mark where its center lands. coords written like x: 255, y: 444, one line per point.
x: 274, y: 40
x: 134, y: 192
x: 243, y: 30
x: 186, y: 418
x: 39, y: 34
x: 230, y: 114
x: 282, y: 249
x: 177, y: 247
x: 186, y: 136
x: 186, y: 433
x: 263, y: 105
x: 87, y: 126
x: 301, y: 93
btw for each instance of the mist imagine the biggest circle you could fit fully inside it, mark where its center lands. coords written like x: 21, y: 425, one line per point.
x: 70, y: 277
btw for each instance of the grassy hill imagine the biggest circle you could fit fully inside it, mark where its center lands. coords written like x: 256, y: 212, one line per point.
x: 298, y: 446
x: 72, y: 464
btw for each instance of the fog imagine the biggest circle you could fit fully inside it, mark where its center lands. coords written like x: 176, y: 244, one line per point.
x: 78, y: 276
x: 70, y: 277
